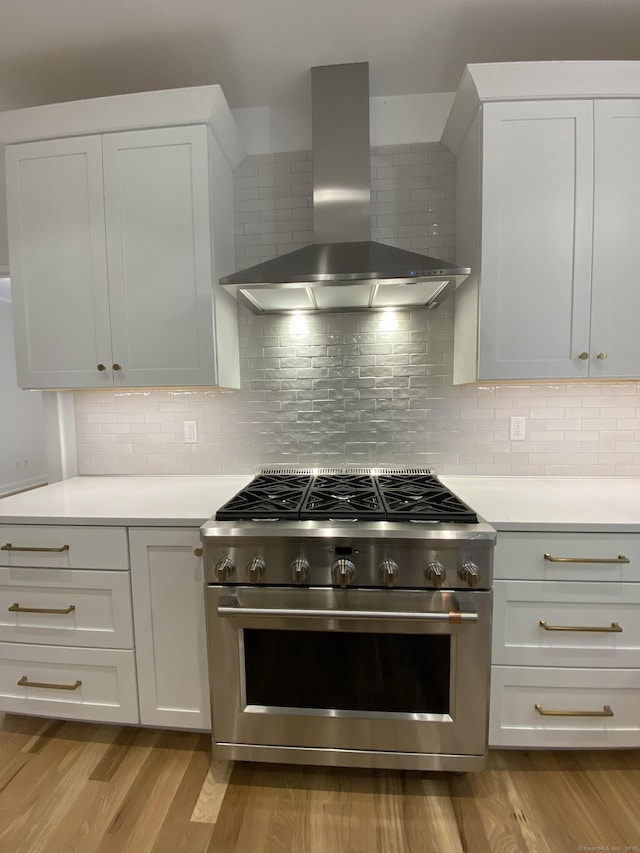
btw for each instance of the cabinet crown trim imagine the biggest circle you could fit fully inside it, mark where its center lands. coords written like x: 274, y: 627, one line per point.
x: 136, y: 111
x: 522, y: 81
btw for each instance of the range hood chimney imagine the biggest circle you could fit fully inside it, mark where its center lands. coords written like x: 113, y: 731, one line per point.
x: 343, y: 270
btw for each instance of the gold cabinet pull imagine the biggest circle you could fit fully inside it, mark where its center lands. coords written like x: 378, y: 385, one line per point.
x: 619, y: 559
x: 16, y: 608
x: 101, y: 367
x: 583, y: 356
x: 24, y: 682
x: 602, y: 356
x: 117, y: 366
x: 197, y: 552
x: 614, y: 629
x: 10, y: 547
x: 606, y: 712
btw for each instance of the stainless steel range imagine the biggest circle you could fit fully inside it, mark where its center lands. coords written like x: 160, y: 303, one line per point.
x: 349, y: 621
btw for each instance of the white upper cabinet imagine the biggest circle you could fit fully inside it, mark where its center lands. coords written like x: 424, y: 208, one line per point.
x: 4, y: 241
x: 59, y: 266
x: 615, y: 301
x: 548, y: 194
x: 117, y: 240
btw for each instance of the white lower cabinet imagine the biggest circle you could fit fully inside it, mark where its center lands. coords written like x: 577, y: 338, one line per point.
x: 83, y: 636
x: 566, y: 641
x: 66, y: 624
x: 66, y: 607
x: 554, y: 707
x: 170, y: 632
x: 79, y: 684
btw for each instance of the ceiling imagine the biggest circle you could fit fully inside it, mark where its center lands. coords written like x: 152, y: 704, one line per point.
x: 260, y: 50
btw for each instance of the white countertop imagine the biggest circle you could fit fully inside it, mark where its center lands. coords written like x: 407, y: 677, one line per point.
x: 508, y: 503
x: 589, y: 504
x: 133, y: 501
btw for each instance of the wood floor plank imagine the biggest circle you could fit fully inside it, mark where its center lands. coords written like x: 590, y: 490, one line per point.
x: 179, y: 832
x: 441, y: 816
x: 85, y: 788
x: 57, y: 774
x: 209, y: 802
x: 137, y: 823
x: 95, y: 808
x: 115, y: 755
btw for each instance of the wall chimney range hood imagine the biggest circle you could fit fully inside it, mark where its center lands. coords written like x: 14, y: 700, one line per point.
x: 343, y: 270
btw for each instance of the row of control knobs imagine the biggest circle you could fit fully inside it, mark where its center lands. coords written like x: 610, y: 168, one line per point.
x: 343, y: 572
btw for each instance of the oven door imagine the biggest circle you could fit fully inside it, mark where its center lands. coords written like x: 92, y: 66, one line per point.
x: 309, y: 670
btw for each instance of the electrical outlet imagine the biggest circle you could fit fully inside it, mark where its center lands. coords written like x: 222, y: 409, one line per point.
x: 190, y: 432
x: 517, y: 428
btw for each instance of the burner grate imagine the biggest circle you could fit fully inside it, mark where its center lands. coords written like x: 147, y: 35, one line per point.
x: 267, y: 496
x: 423, y: 499
x: 343, y: 496
x: 373, y: 471
x: 374, y: 494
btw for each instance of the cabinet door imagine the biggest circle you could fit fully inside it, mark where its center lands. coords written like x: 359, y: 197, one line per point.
x: 4, y: 241
x: 616, y: 248
x: 537, y: 190
x: 159, y: 255
x: 169, y: 621
x: 58, y: 263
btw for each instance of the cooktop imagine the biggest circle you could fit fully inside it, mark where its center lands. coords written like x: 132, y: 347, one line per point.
x: 343, y: 493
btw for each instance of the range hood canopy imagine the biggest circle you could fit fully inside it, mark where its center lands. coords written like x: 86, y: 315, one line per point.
x: 344, y: 270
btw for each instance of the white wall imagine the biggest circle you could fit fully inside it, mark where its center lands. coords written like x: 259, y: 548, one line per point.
x: 394, y: 120
x: 22, y: 446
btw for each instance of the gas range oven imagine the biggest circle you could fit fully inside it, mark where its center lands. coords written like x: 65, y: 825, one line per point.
x: 349, y: 620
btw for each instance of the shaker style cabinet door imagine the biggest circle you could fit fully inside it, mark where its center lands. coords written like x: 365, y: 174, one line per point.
x: 4, y: 239
x: 537, y: 211
x: 169, y: 621
x: 55, y: 214
x: 615, y: 305
x: 156, y: 189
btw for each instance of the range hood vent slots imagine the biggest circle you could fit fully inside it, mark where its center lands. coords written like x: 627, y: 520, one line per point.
x: 343, y: 270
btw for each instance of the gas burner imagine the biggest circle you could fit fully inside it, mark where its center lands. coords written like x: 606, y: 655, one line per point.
x: 422, y: 498
x: 267, y: 498
x: 342, y: 496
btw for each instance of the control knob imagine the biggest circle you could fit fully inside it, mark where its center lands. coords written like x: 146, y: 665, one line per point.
x: 255, y: 570
x: 344, y: 572
x: 300, y: 570
x: 469, y: 574
x: 436, y: 573
x: 389, y: 572
x: 224, y: 569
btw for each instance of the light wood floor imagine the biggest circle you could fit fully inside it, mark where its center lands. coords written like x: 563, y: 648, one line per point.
x: 80, y: 788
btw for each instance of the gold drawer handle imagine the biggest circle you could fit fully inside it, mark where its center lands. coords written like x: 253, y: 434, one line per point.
x: 614, y: 629
x: 619, y: 559
x: 16, y: 608
x: 10, y: 547
x: 197, y: 552
x: 24, y: 682
x: 606, y: 712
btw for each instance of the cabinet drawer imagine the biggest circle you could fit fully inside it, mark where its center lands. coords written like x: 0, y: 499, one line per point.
x: 521, y: 556
x: 515, y: 722
x: 80, y: 684
x: 611, y: 611
x: 92, y: 608
x: 59, y: 547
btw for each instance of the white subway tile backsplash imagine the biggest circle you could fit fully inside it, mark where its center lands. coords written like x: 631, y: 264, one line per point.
x: 352, y: 388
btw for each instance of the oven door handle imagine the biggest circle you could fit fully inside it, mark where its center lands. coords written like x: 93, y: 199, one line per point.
x: 229, y: 606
